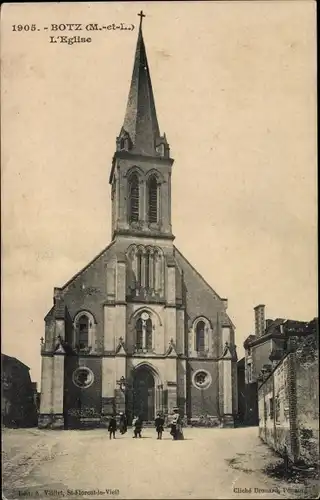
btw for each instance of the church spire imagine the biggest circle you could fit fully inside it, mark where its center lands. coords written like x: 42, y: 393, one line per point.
x: 140, y: 129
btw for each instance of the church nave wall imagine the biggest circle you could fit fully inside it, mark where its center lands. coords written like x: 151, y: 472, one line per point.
x: 203, y: 388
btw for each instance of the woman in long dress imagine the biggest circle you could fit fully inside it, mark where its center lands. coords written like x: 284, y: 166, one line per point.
x: 176, y: 426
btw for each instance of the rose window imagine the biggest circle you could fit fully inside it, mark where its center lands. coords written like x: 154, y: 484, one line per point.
x: 202, y: 379
x: 83, y: 377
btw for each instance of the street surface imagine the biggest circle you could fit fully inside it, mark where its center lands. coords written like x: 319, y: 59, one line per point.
x: 208, y: 464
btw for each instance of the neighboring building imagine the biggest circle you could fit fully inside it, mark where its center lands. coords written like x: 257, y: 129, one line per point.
x: 269, y: 340
x: 288, y: 395
x: 241, y: 391
x: 36, y: 396
x: 18, y: 408
x: 138, y: 329
x: 247, y: 398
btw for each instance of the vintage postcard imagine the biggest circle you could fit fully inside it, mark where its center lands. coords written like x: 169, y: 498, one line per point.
x: 159, y: 250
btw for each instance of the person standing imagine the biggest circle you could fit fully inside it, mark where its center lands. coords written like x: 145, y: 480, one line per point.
x: 112, y: 427
x: 137, y: 427
x: 123, y: 423
x: 173, y: 425
x: 134, y: 426
x: 179, y: 434
x: 176, y: 425
x: 159, y: 423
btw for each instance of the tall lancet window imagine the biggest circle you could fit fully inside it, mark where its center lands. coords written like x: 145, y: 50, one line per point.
x: 147, y: 269
x: 139, y: 268
x: 83, y: 331
x: 152, y: 199
x: 200, y: 336
x: 149, y: 334
x: 134, y: 198
x: 139, y: 334
x: 144, y: 332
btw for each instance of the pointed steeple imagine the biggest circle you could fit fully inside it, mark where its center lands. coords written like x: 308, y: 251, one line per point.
x: 140, y: 132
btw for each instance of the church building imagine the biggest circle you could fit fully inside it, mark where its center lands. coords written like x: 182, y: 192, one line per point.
x: 138, y: 330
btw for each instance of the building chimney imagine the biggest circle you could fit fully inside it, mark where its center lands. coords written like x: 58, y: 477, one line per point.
x: 259, y: 320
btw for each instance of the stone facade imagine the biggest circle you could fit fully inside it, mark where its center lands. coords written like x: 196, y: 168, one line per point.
x: 266, y: 347
x: 138, y: 329
x: 289, y: 404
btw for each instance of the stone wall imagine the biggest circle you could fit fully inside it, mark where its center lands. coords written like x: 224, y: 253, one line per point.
x: 289, y: 405
x: 203, y: 401
x: 266, y: 421
x: 307, y: 389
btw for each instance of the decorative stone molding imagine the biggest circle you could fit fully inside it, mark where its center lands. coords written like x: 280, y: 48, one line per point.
x: 91, y: 331
x: 192, y: 341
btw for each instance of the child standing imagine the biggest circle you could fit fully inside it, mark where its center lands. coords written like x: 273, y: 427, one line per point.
x: 159, y: 423
x: 112, y: 427
x: 137, y: 427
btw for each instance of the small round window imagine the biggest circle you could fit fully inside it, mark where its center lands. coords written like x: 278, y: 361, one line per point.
x: 201, y: 379
x: 83, y: 377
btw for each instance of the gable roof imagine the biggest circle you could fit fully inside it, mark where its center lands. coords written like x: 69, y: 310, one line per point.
x: 6, y: 360
x: 195, y: 271
x: 223, y: 316
x: 87, y: 266
x: 58, y: 309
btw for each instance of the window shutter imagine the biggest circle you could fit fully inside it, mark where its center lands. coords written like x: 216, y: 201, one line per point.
x: 134, y: 198
x: 153, y: 200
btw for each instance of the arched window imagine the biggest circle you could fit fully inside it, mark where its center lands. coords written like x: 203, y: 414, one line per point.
x: 144, y: 332
x: 158, y: 271
x: 134, y: 198
x: 200, y: 336
x: 152, y: 199
x: 83, y: 332
x: 139, y: 334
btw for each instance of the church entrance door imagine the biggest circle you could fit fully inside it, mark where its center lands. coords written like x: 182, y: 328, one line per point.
x: 144, y: 394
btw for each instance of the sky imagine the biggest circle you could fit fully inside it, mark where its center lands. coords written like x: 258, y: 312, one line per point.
x: 235, y: 92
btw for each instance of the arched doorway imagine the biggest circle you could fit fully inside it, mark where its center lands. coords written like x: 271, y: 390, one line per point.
x: 144, y: 394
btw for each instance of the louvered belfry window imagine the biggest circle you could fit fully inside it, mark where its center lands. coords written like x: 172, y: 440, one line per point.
x: 134, y: 198
x: 153, y: 200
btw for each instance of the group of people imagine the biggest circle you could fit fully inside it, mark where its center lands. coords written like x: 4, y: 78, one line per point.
x: 174, y: 423
x: 123, y: 425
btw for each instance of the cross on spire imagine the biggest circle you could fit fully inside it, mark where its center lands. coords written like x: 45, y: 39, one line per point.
x: 141, y: 15
x: 140, y: 122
